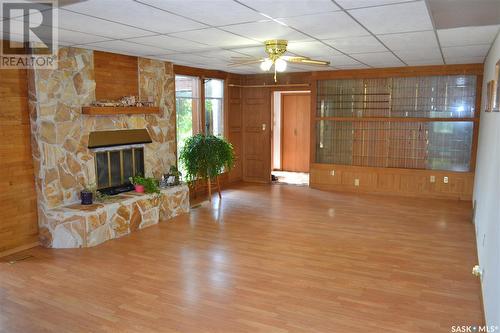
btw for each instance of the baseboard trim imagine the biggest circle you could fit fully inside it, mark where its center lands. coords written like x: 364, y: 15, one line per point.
x: 19, y: 249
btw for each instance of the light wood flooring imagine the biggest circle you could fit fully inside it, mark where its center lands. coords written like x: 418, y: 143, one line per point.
x: 265, y: 259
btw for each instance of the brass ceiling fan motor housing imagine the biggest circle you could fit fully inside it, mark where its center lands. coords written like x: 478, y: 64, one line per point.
x: 276, y: 48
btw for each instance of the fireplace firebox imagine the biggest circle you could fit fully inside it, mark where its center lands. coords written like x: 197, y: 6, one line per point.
x: 118, y: 155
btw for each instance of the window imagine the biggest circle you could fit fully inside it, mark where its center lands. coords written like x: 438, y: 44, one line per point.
x: 187, y: 99
x: 392, y: 123
x: 214, y: 106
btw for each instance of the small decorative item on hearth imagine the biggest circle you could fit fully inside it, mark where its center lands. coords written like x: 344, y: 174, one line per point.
x: 87, y: 195
x: 173, y: 177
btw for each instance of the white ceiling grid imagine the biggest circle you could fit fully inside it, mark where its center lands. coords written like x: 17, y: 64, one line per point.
x: 201, y: 33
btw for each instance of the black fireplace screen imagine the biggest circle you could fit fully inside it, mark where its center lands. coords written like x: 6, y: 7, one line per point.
x: 114, y: 167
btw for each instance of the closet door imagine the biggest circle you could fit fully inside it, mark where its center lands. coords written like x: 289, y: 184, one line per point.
x: 295, y: 132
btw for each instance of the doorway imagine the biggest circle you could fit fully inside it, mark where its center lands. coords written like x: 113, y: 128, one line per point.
x: 291, y: 137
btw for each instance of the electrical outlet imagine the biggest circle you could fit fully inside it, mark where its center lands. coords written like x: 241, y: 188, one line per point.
x: 445, y: 180
x: 433, y: 179
x: 332, y: 173
x: 356, y: 182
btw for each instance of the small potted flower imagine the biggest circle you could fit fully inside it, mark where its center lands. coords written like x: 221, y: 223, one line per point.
x: 139, y: 182
x: 87, y: 195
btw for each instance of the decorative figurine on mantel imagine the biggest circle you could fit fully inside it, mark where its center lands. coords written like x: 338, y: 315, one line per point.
x: 125, y: 101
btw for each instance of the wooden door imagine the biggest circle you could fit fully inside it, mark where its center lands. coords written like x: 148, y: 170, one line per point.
x: 295, y: 132
x: 256, y: 109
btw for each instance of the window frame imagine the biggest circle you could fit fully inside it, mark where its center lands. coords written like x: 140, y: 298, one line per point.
x: 203, y: 76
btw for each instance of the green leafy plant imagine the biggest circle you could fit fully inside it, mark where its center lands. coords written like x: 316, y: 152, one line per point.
x: 206, y: 156
x: 150, y: 184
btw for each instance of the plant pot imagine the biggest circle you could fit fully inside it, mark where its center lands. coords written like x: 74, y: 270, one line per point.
x: 87, y: 198
x: 139, y: 188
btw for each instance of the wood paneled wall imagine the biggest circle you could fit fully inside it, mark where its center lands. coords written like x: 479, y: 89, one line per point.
x: 18, y: 222
x: 234, y: 126
x: 116, y: 75
x: 411, y: 182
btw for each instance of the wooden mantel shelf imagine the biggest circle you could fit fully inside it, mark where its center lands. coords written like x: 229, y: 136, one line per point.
x: 116, y: 110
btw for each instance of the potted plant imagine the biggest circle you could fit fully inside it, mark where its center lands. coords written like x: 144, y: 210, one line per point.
x: 145, y: 184
x: 206, y: 157
x: 138, y: 182
x: 87, y: 195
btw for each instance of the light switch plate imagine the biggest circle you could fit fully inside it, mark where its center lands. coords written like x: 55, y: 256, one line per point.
x: 445, y: 180
x: 433, y: 179
x: 356, y: 182
x: 332, y: 173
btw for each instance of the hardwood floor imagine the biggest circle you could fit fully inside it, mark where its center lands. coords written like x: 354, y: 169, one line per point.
x: 266, y: 259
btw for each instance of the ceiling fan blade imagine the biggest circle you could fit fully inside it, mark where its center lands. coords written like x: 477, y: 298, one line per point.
x: 306, y: 60
x: 314, y: 62
x: 243, y: 63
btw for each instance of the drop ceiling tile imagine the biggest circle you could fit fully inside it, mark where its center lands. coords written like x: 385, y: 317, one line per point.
x: 185, y: 58
x: 449, y: 14
x: 425, y: 62
x: 312, y: 49
x: 86, y: 24
x: 465, y: 60
x: 223, y: 55
x: 466, y: 51
x: 265, y: 30
x: 214, y: 13
x: 404, y: 17
x: 378, y: 59
x: 135, y: 14
x: 343, y: 60
x: 410, y: 40
x: 287, y: 8
x: 350, y: 4
x: 363, y: 44
x: 419, y: 54
x: 326, y: 25
x: 178, y: 45
x: 254, y: 51
x: 303, y: 68
x: 65, y: 37
x: 68, y: 37
x: 120, y: 46
x: 353, y: 66
x: 216, y: 37
x: 468, y: 35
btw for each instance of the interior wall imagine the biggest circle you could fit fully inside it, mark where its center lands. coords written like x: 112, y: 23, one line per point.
x: 486, y: 197
x: 18, y: 224
x: 277, y: 130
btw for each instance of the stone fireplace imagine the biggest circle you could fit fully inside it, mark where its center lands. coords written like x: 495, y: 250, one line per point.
x: 65, y: 159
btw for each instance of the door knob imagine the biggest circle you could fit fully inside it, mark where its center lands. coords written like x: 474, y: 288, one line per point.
x: 263, y: 127
x: 477, y: 271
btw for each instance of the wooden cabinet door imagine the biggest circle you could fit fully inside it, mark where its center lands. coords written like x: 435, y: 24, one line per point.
x: 257, y: 134
x: 295, y: 132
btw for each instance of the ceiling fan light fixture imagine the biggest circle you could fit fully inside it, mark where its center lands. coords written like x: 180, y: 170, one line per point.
x: 266, y: 65
x: 280, y: 65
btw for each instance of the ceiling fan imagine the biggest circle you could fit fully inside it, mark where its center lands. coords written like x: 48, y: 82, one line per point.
x: 276, y: 48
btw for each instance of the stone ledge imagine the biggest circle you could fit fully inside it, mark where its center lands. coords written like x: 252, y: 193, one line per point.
x: 75, y: 225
